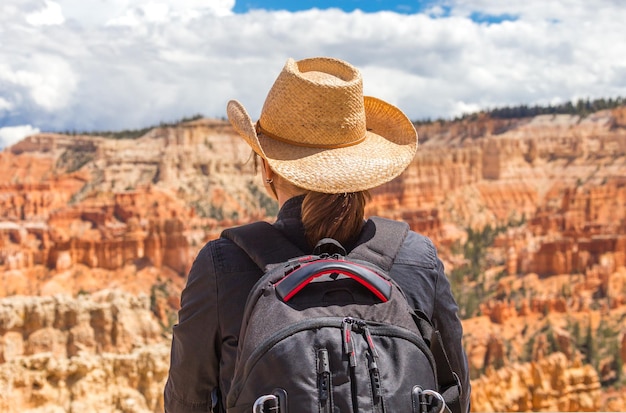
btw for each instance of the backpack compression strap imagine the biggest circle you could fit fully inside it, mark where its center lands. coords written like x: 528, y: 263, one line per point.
x: 263, y: 243
x: 448, y: 381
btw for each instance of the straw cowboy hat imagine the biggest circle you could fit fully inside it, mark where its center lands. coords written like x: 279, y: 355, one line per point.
x: 320, y: 133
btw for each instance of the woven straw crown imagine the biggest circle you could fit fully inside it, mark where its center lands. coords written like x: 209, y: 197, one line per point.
x: 319, y: 132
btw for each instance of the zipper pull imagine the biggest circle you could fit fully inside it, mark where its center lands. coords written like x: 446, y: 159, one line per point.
x: 348, y: 346
x: 370, y: 342
x: 323, y: 371
x: 373, y: 364
x: 375, y: 377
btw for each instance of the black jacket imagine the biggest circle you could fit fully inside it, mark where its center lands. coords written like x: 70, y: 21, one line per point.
x: 204, y: 343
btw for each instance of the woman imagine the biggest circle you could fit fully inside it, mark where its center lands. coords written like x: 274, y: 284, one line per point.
x: 322, y: 145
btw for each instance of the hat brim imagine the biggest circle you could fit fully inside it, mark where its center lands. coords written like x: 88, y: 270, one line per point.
x: 388, y: 148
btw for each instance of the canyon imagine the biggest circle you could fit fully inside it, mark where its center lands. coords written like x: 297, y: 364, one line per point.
x: 529, y: 216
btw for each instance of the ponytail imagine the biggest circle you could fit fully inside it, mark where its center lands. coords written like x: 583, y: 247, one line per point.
x: 338, y: 216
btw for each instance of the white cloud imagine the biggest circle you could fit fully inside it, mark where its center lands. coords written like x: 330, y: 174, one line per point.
x: 132, y: 12
x: 46, y: 79
x: 12, y: 134
x: 50, y: 14
x: 5, y: 105
x: 162, y: 60
x: 145, y: 13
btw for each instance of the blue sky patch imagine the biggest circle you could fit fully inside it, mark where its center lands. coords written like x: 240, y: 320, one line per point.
x: 492, y: 19
x: 368, y: 6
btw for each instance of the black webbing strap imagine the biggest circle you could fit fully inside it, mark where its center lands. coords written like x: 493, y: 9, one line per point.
x: 263, y: 243
x: 447, y: 380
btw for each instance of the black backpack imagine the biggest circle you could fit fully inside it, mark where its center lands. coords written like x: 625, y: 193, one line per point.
x: 332, y: 332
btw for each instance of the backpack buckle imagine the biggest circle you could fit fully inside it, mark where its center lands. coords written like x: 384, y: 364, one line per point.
x: 271, y: 403
x: 434, y: 398
x: 266, y: 404
x: 427, y: 401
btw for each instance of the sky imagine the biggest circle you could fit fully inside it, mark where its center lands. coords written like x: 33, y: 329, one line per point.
x: 96, y: 65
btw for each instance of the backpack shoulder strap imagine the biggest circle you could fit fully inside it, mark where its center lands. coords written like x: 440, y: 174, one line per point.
x: 380, y: 241
x: 379, y: 244
x: 264, y: 243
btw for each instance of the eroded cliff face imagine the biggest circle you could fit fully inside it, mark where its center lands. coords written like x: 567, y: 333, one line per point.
x: 97, y: 235
x: 99, y: 352
x: 553, y: 384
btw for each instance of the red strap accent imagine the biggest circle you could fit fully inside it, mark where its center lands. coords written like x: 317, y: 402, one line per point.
x: 313, y: 276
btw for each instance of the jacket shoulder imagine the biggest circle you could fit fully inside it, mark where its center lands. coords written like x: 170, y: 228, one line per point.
x: 226, y: 256
x: 418, y: 250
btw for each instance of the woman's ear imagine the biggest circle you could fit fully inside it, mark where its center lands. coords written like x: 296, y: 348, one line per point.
x: 268, y: 174
x: 268, y: 179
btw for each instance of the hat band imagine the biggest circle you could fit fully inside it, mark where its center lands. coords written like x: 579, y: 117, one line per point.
x: 259, y: 129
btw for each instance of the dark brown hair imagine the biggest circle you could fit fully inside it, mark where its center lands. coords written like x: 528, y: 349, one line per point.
x: 338, y: 216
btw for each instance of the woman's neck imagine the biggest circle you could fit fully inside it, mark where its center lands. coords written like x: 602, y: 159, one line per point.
x: 285, y: 191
